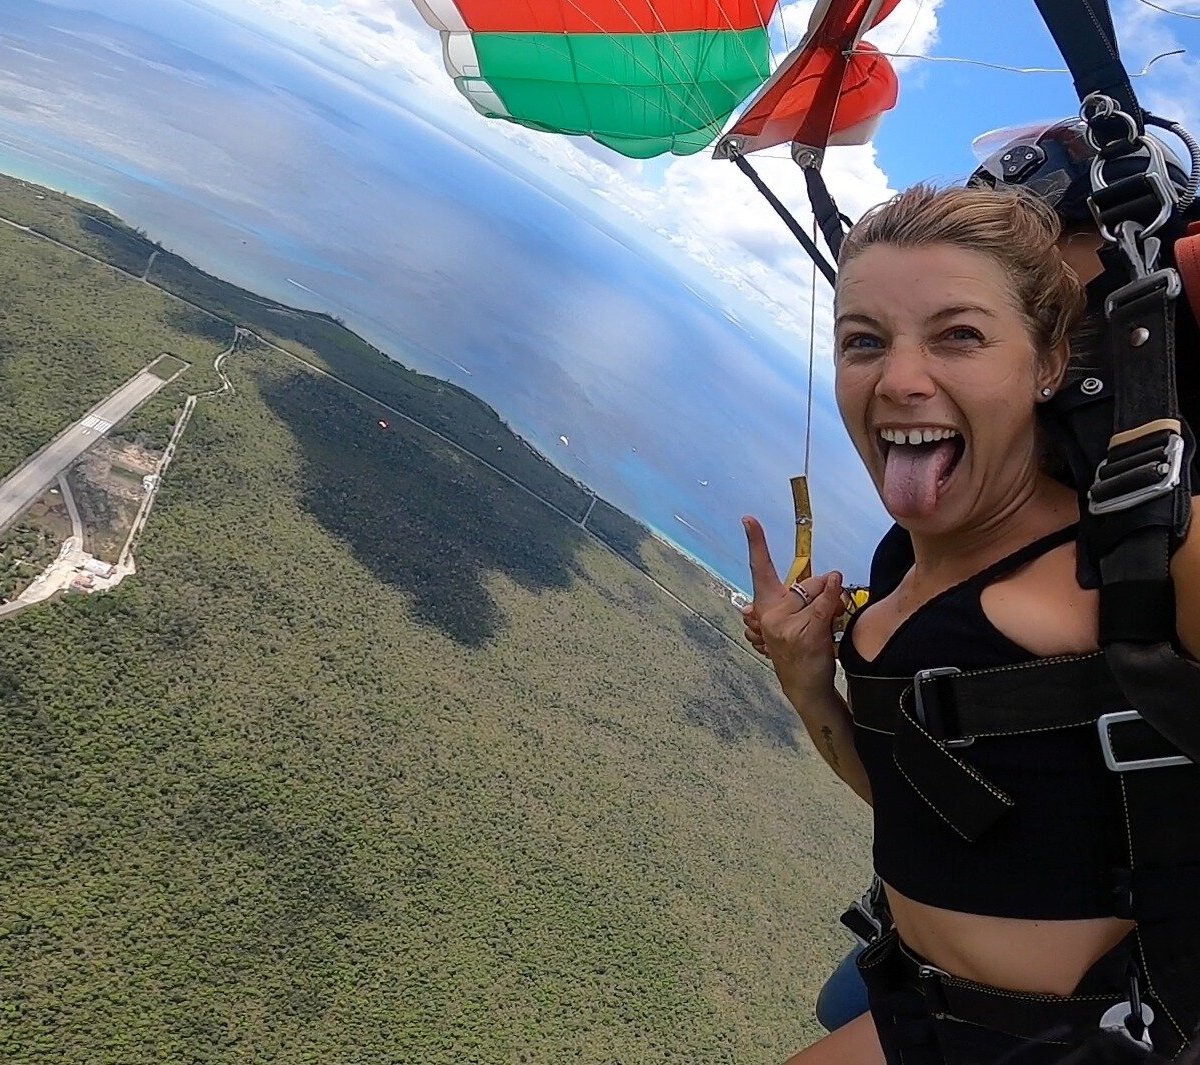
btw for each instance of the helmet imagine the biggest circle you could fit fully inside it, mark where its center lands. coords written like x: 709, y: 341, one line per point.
x: 1053, y: 160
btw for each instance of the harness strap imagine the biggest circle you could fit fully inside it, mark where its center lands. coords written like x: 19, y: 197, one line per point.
x: 1137, y: 595
x: 940, y: 710
x: 825, y: 211
x: 959, y: 706
x: 1159, y: 890
x: 1083, y: 31
x: 1027, y: 1015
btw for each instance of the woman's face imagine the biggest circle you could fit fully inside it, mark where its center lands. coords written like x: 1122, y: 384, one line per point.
x: 937, y: 381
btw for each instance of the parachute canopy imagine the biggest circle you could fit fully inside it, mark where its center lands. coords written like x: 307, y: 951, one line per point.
x: 831, y: 90
x: 643, y: 77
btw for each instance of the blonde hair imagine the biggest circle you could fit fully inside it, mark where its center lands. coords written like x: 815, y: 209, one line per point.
x: 1017, y: 230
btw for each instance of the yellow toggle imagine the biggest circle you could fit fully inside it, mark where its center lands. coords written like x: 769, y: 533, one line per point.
x: 802, y: 566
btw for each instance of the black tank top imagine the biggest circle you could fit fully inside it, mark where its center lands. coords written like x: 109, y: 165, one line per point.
x: 1051, y: 856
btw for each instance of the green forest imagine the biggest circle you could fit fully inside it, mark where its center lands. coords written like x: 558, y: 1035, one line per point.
x: 377, y: 758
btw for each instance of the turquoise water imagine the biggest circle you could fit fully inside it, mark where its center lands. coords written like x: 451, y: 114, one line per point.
x: 262, y: 168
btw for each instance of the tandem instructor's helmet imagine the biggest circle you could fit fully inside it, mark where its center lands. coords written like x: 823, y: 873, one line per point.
x: 1053, y: 161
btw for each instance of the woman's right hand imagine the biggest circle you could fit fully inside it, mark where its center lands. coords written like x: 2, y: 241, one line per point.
x: 796, y: 622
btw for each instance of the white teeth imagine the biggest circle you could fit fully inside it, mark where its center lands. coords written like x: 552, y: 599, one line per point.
x: 916, y: 436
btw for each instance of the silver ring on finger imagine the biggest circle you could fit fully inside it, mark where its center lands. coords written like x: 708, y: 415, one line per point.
x: 799, y: 590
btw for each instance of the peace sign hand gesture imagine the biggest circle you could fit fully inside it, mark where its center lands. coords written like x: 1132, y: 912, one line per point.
x: 792, y: 625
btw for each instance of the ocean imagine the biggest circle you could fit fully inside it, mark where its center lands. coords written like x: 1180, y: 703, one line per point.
x: 289, y: 178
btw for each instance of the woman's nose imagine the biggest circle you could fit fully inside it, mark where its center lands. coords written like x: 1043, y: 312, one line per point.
x: 904, y: 374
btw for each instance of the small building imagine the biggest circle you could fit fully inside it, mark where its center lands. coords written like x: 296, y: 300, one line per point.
x: 98, y: 568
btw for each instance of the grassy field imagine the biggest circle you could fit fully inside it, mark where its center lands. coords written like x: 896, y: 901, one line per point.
x: 377, y: 759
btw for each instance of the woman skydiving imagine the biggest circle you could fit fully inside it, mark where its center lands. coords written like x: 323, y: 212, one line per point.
x: 1000, y: 832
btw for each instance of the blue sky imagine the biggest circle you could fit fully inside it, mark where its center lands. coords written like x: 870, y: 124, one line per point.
x: 657, y: 314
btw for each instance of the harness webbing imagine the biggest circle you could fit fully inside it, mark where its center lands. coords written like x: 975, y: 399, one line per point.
x: 1083, y: 31
x: 797, y: 230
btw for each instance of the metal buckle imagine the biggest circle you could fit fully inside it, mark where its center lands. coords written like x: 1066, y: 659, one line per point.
x: 1116, y: 1019
x: 1145, y: 281
x: 1157, y: 178
x: 1098, y: 106
x: 862, y: 923
x: 938, y: 730
x: 1117, y: 765
x: 861, y: 918
x: 1170, y: 463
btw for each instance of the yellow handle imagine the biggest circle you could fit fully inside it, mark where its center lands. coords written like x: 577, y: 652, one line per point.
x: 802, y: 565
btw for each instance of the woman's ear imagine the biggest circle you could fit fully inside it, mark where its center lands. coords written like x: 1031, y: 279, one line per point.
x: 1052, y: 367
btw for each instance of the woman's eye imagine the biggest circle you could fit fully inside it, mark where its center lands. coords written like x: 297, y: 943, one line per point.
x: 963, y: 333
x: 861, y: 342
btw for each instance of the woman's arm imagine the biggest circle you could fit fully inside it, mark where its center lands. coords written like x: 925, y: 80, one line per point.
x: 827, y: 719
x: 853, y: 1044
x: 1185, y: 572
x: 796, y: 627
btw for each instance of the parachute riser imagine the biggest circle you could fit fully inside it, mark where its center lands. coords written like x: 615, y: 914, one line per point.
x: 806, y: 242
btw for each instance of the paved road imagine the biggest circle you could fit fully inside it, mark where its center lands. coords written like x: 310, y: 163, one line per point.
x: 32, y: 478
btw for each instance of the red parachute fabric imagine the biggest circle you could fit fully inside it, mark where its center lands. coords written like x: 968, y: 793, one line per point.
x: 820, y: 91
x: 613, y: 16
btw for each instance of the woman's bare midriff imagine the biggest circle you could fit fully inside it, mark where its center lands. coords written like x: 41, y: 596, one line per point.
x: 1047, y: 957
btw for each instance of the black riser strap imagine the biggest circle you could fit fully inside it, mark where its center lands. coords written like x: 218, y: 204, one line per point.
x: 1144, y: 375
x: 806, y: 242
x: 1083, y: 31
x: 824, y: 210
x: 1162, y: 686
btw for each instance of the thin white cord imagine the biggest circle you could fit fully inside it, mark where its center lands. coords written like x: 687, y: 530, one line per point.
x: 1001, y: 66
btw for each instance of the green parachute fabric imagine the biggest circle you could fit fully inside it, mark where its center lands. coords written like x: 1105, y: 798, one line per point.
x: 643, y: 77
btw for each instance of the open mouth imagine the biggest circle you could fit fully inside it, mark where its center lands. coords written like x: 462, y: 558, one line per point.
x: 918, y: 464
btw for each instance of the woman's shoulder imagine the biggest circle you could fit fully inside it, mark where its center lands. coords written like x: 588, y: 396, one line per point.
x: 1042, y: 607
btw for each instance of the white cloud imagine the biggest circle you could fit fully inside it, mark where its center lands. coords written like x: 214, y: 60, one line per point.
x: 704, y: 209
x: 1169, y: 89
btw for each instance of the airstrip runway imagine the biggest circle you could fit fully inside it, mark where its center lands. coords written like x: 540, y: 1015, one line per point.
x: 35, y: 475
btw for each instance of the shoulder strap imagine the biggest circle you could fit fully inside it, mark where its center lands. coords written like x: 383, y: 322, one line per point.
x: 1083, y: 31
x: 1024, y: 555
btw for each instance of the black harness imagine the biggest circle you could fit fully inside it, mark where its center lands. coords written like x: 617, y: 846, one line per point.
x: 939, y: 712
x: 1128, y: 436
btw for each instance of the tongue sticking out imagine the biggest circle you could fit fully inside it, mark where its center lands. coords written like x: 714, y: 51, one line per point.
x: 912, y: 475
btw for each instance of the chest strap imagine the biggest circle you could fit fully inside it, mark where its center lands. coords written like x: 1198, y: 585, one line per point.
x: 956, y: 706
x: 939, y: 711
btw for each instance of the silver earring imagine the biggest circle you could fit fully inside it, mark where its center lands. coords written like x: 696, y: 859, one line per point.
x: 1047, y: 392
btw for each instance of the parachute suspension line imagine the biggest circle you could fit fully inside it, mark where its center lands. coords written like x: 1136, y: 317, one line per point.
x: 912, y: 25
x: 806, y: 242
x: 710, y: 117
x: 763, y: 24
x: 812, y: 335
x: 1013, y: 70
x: 1168, y: 11
x: 686, y: 103
x: 605, y: 77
